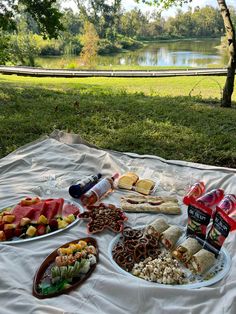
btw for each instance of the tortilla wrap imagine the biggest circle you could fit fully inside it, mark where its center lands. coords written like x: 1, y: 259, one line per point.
x: 157, y: 227
x: 165, y: 205
x: 202, y: 261
x: 170, y: 236
x: 187, y: 249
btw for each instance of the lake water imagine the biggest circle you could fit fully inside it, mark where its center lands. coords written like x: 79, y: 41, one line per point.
x: 181, y: 53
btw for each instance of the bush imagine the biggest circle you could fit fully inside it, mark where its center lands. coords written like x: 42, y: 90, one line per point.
x: 4, y: 48
x: 24, y: 48
x: 129, y: 43
x: 49, y: 50
x: 71, y: 66
x: 106, y: 47
x: 52, y: 47
x: 122, y: 42
x: 72, y: 45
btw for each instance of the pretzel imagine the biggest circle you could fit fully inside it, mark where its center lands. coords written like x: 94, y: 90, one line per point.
x: 133, y: 247
x: 104, y: 216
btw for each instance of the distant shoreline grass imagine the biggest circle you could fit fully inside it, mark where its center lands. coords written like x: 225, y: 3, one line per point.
x: 177, y: 39
x: 72, y: 66
x: 147, y: 116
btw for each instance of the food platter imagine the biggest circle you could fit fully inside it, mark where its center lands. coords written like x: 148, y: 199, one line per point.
x: 17, y: 240
x: 212, y: 276
x: 45, y: 270
x: 104, y: 216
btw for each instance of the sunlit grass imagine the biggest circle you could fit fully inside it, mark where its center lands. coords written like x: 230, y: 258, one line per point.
x: 148, y: 116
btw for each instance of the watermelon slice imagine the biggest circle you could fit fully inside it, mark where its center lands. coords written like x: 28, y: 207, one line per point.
x: 49, y: 208
x: 21, y: 212
x: 53, y: 208
x: 69, y: 209
x: 61, y: 203
x: 39, y: 209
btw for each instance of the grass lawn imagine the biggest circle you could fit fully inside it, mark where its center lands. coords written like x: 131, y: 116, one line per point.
x: 143, y: 115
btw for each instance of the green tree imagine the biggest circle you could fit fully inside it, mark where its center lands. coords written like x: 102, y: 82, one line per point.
x: 208, y: 21
x: 155, y: 27
x: 23, y: 46
x: 202, y: 22
x: 89, y: 40
x: 104, y: 16
x: 133, y: 23
x: 73, y: 27
x: 45, y: 17
x: 180, y: 25
x: 4, y: 47
x: 230, y: 33
x: 45, y: 13
x: 72, y: 22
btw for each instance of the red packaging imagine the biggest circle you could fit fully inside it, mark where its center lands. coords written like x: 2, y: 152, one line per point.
x: 211, y: 198
x: 194, y: 192
x: 198, y: 219
x: 221, y: 227
x: 228, y: 203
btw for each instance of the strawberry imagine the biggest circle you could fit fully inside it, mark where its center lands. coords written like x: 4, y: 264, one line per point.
x: 17, y: 232
x: 9, y: 233
x: 1, y: 225
x: 41, y: 229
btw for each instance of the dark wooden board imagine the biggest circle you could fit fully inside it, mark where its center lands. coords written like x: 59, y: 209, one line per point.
x: 50, y: 259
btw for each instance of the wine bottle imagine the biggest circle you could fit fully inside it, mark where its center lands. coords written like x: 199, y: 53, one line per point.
x: 99, y: 190
x: 77, y: 190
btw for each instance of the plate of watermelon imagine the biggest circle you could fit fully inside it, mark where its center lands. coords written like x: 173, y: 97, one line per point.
x: 35, y: 218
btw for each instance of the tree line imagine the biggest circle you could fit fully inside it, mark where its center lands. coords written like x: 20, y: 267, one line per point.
x: 230, y: 39
x: 112, y: 29
x: 200, y: 22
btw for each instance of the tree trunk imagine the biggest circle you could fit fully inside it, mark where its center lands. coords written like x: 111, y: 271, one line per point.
x: 230, y: 33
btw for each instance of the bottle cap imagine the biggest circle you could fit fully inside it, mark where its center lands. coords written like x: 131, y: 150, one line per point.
x: 115, y: 176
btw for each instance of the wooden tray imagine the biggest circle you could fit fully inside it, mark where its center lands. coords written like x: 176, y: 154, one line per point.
x: 50, y: 260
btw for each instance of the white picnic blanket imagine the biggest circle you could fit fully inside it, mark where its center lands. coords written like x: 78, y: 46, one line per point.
x: 46, y: 168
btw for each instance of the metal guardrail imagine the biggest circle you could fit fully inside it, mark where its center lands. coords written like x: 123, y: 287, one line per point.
x: 40, y: 72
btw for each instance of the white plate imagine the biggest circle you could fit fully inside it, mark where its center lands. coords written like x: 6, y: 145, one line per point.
x: 16, y: 241
x: 216, y: 273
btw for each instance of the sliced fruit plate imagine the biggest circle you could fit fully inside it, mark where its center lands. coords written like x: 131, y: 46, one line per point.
x: 66, y: 268
x: 34, y: 218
